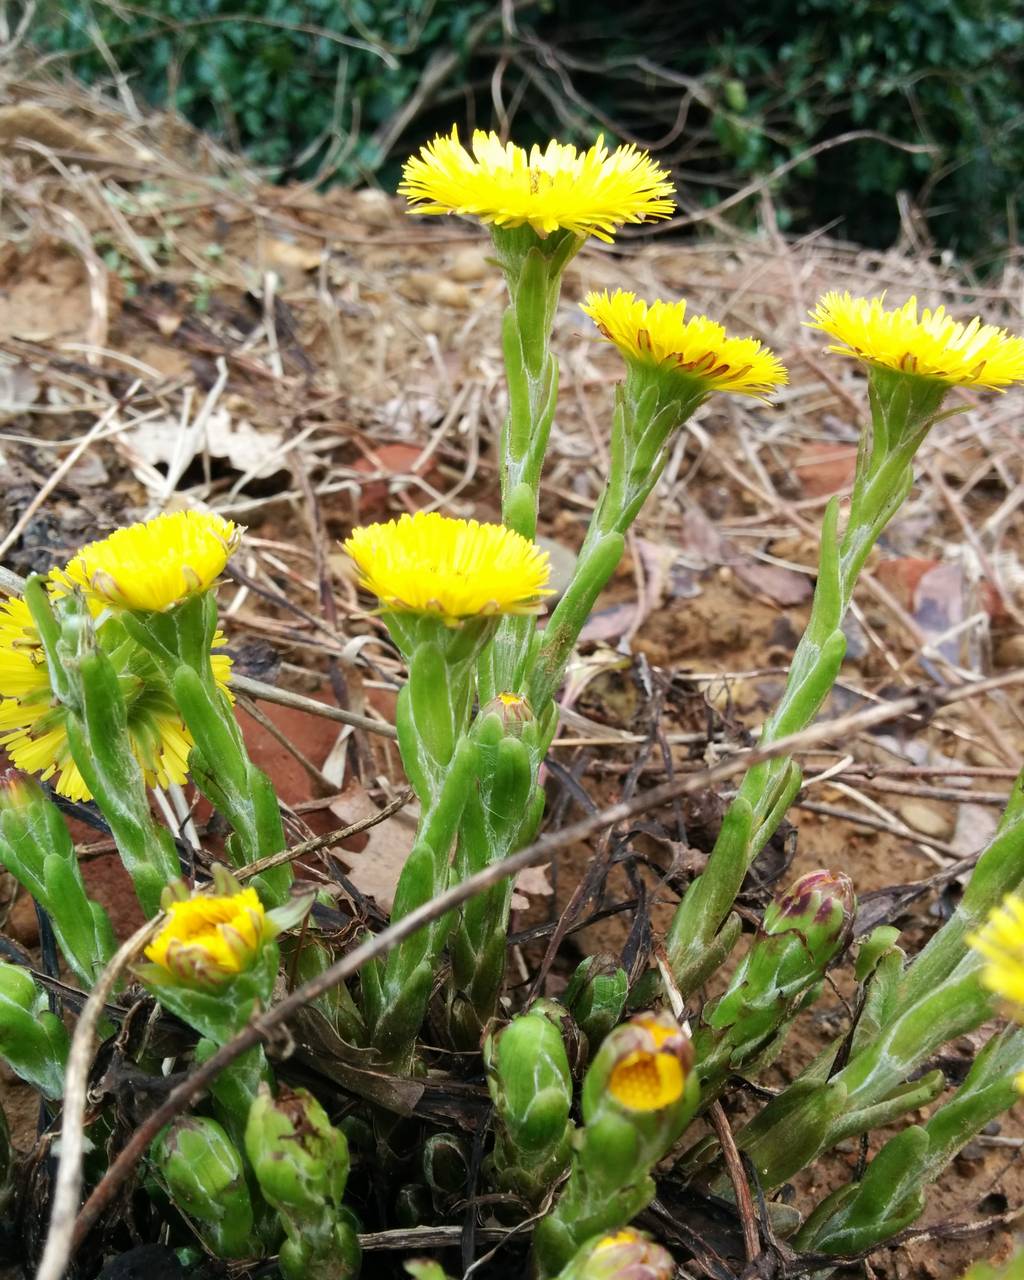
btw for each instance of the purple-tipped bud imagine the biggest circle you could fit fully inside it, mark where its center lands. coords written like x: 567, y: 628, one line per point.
x: 802, y: 932
x: 820, y: 906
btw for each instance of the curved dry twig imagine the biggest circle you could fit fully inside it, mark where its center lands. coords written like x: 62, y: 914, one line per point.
x: 72, y: 1134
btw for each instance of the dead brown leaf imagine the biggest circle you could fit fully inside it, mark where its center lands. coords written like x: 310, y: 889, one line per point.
x: 375, y: 869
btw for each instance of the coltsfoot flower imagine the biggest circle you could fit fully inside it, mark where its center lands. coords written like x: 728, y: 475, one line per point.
x: 1001, y: 942
x: 933, y: 345
x: 210, y: 938
x: 621, y: 1255
x: 589, y: 193
x: 658, y: 335
x: 455, y: 569
x: 154, y: 566
x: 653, y: 1075
x: 33, y: 724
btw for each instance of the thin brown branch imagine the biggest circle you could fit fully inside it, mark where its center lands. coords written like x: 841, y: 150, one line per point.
x: 325, y: 841
x: 72, y: 1138
x: 734, y: 1168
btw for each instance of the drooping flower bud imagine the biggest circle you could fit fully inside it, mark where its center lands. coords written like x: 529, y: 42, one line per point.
x: 622, y: 1255
x: 202, y: 1171
x: 643, y: 1068
x: 638, y: 1095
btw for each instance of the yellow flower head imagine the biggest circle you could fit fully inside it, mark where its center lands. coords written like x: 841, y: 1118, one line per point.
x: 933, y: 346
x: 33, y: 724
x: 209, y: 939
x: 626, y: 1236
x: 156, y: 565
x: 1001, y: 942
x: 652, y: 1075
x: 659, y: 336
x: 645, y: 1081
x: 626, y: 1253
x: 455, y: 569
x: 590, y: 193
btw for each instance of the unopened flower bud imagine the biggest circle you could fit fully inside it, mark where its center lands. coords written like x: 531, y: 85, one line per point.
x: 33, y: 1041
x: 512, y: 709
x: 621, y: 1255
x: 596, y: 997
x: 18, y: 791
x: 801, y: 933
x: 820, y: 906
x: 202, y: 1170
x: 300, y: 1159
x: 531, y: 1086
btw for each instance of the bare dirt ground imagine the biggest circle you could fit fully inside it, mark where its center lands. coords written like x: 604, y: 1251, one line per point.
x: 173, y: 331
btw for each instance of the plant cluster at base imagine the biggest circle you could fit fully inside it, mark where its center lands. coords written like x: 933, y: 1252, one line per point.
x: 112, y: 685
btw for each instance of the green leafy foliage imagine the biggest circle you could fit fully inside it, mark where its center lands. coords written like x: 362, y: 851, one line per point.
x: 943, y: 73
x: 284, y: 81
x: 348, y: 87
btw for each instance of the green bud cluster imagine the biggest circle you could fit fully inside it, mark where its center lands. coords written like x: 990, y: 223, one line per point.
x: 639, y: 1094
x: 501, y: 813
x: 301, y: 1163
x: 531, y: 1086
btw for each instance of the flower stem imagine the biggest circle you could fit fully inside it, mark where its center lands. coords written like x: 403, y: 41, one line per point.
x: 903, y: 408
x: 85, y: 681
x: 180, y: 642
x: 440, y: 761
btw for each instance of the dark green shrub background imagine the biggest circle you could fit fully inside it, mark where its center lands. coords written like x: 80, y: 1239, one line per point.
x: 764, y: 81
